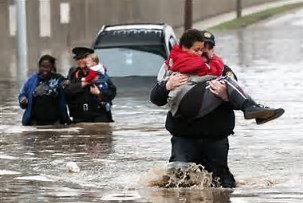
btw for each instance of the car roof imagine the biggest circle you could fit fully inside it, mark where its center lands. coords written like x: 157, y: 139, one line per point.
x: 120, y: 35
x: 143, y: 26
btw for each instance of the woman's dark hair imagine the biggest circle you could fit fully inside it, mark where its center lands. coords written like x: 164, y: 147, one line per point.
x: 50, y: 59
x: 189, y: 37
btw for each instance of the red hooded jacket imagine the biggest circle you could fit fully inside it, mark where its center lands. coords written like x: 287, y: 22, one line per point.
x: 187, y: 63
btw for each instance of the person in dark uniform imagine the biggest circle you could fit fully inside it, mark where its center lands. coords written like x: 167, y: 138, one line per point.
x: 42, y: 96
x: 201, y: 140
x: 85, y: 101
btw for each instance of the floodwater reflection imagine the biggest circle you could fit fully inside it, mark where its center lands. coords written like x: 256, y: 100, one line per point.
x: 95, y: 142
x: 186, y: 195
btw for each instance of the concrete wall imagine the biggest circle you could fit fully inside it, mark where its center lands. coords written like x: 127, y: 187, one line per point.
x: 87, y: 16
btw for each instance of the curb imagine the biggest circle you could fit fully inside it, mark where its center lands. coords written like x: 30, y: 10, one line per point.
x: 213, y: 21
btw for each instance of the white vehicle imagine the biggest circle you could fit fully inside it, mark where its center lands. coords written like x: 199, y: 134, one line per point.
x: 134, y: 49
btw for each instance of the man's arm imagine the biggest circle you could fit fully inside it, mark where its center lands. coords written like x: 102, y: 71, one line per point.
x: 160, y: 92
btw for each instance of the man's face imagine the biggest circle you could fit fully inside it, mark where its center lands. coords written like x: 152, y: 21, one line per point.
x: 207, y: 51
x: 196, y: 48
x: 81, y: 63
x: 208, y: 47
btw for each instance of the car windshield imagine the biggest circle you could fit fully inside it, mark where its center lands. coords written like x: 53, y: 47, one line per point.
x: 130, y: 61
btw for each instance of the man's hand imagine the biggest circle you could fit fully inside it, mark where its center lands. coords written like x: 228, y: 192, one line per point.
x: 176, y: 80
x: 84, y: 83
x: 218, y: 88
x: 94, y: 90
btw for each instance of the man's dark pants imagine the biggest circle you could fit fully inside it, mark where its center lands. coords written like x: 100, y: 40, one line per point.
x: 212, y: 154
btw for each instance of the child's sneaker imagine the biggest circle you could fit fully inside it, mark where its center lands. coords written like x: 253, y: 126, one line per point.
x: 258, y: 111
x: 277, y: 113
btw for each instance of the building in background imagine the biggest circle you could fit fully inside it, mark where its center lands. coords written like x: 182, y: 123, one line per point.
x: 55, y: 26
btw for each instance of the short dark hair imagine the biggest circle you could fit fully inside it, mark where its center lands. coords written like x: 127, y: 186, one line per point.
x: 50, y: 59
x: 189, y: 37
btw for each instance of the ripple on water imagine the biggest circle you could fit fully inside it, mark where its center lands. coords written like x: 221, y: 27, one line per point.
x: 124, y: 196
x: 4, y: 156
x: 35, y: 178
x: 8, y: 172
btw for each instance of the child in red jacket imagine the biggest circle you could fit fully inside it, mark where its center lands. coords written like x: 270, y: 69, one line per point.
x: 187, y: 58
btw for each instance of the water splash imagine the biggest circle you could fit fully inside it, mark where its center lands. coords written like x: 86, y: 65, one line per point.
x: 179, y: 175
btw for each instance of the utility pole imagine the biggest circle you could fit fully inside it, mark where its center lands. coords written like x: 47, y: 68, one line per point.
x: 21, y: 39
x: 188, y: 14
x: 239, y: 8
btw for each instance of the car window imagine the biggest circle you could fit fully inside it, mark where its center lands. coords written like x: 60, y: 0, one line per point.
x: 138, y: 39
x: 130, y: 61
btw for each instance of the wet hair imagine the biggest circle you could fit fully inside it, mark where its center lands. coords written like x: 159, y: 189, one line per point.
x: 189, y: 37
x: 50, y: 59
x: 94, y: 57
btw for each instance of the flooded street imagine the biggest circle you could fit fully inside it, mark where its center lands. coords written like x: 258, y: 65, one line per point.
x: 114, y: 159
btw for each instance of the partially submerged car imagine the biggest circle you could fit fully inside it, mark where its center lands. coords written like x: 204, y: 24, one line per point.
x: 134, y: 49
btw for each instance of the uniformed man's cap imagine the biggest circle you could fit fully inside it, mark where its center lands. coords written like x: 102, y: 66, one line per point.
x: 208, y: 37
x: 81, y: 52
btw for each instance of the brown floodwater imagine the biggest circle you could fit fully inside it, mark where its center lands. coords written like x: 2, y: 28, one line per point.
x: 117, y: 161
